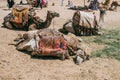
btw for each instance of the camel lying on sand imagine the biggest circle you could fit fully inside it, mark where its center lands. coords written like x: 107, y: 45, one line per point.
x: 48, y: 42
x: 84, y: 23
x: 24, y: 18
x: 108, y: 5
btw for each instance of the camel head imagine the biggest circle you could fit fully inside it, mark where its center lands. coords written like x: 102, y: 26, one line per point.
x: 51, y: 14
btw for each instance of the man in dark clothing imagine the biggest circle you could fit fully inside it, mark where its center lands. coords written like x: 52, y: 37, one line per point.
x: 10, y: 3
x: 93, y: 4
x: 39, y: 2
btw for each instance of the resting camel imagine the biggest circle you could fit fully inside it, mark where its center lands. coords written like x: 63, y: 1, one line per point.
x: 81, y: 25
x: 48, y: 42
x: 24, y: 18
x: 45, y: 24
x: 108, y: 5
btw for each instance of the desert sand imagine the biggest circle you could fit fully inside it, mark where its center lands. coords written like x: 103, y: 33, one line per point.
x: 16, y: 65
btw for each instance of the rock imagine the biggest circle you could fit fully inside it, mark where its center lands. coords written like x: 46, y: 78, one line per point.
x: 78, y: 60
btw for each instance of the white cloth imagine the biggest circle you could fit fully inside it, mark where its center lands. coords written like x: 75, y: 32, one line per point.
x: 86, y: 19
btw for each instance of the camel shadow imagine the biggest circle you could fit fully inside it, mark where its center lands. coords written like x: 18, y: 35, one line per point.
x: 41, y: 57
x: 16, y: 29
x: 6, y: 9
x: 80, y: 8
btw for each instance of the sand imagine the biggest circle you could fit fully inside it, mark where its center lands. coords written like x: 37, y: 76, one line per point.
x: 15, y: 65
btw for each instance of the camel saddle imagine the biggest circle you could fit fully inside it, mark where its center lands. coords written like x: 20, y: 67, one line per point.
x: 19, y: 15
x: 51, y: 43
x: 84, y: 19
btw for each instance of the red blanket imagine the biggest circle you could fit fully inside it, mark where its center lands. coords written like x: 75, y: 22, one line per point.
x: 50, y: 45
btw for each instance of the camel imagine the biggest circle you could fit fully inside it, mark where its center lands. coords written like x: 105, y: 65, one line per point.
x: 108, y: 5
x: 114, y: 6
x: 45, y: 24
x: 84, y: 29
x: 27, y: 19
x: 48, y: 42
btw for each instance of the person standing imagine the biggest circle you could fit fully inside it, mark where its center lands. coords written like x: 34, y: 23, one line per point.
x: 38, y: 3
x: 12, y: 3
x: 68, y: 3
x: 62, y: 2
x: 93, y: 4
x: 8, y: 3
x: 41, y: 4
x: 46, y: 2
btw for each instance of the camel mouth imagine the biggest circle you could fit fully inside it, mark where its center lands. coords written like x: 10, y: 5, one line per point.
x: 56, y: 14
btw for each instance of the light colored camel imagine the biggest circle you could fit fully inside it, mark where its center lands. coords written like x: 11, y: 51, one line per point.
x: 77, y: 29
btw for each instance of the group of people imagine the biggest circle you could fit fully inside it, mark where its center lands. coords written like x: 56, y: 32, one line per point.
x: 10, y: 3
x: 70, y: 3
x: 94, y: 4
x: 41, y: 3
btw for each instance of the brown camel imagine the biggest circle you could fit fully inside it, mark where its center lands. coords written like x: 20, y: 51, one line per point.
x: 45, y: 24
x: 73, y: 26
x: 24, y: 18
x: 45, y: 42
x: 108, y: 5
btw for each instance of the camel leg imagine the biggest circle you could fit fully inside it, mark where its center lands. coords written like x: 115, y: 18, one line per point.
x: 67, y: 56
x: 32, y: 27
x: 77, y: 30
x: 85, y: 31
x: 82, y: 30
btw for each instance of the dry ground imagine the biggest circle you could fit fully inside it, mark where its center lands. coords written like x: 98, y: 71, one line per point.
x: 15, y: 65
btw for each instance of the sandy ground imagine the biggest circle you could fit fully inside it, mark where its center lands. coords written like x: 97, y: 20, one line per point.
x: 15, y: 65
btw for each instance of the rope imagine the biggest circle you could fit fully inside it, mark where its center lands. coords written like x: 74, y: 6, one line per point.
x: 53, y: 24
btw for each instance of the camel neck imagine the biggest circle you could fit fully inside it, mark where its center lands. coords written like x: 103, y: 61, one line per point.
x: 48, y: 22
